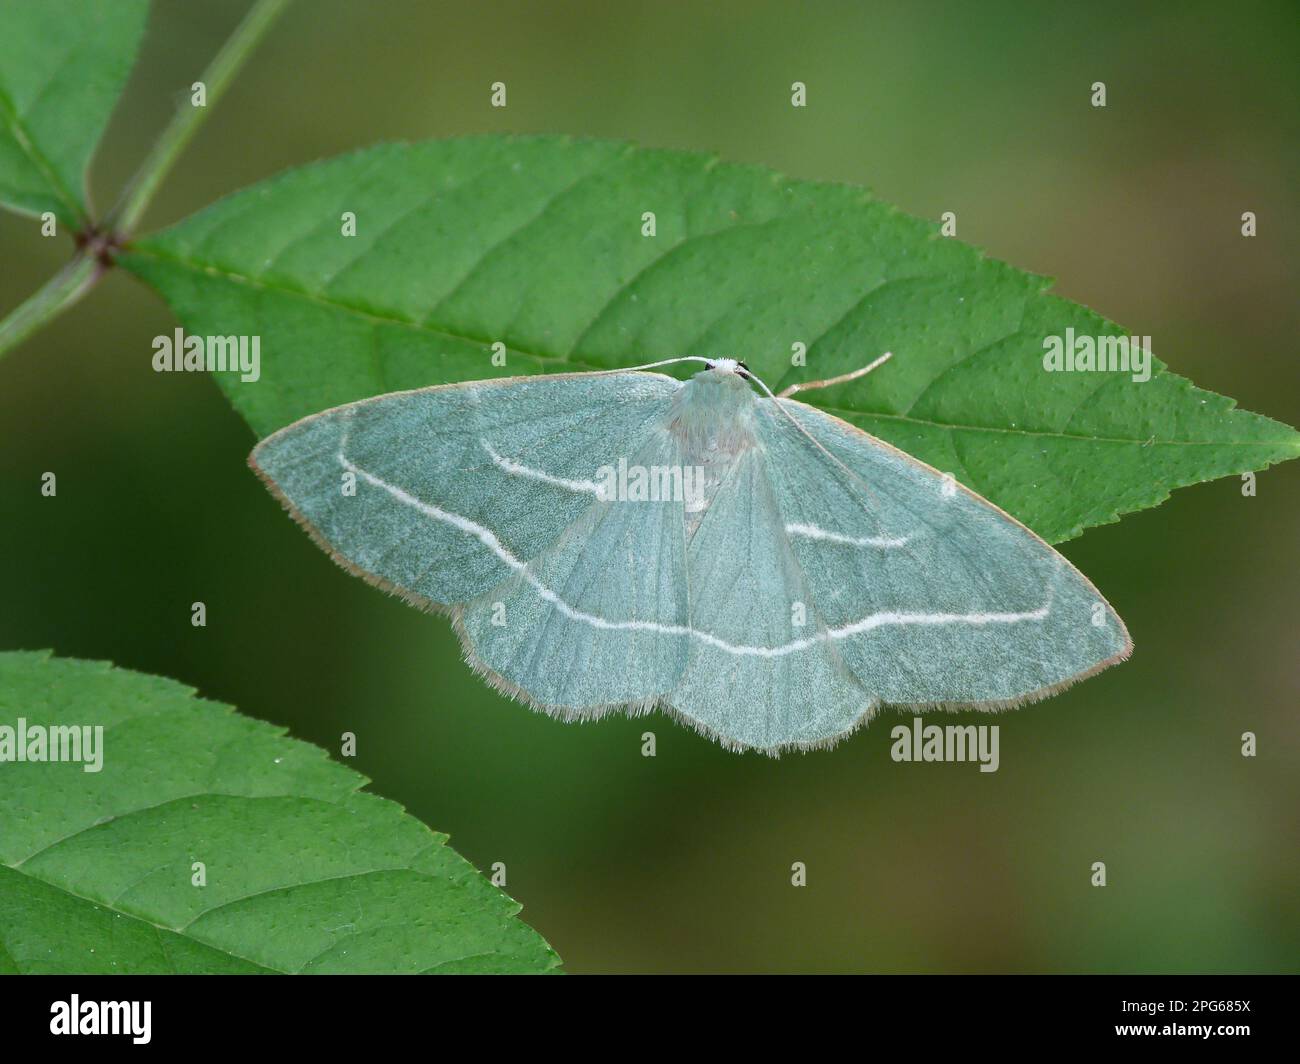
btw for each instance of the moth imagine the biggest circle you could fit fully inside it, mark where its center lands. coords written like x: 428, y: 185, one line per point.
x: 765, y: 572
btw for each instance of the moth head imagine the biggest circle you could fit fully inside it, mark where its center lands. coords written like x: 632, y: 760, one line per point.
x: 730, y: 365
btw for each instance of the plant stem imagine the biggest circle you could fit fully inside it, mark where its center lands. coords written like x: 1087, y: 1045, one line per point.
x: 55, y: 296
x: 185, y: 123
x: 96, y: 242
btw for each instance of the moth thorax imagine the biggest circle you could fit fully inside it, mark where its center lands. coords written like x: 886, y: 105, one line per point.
x: 713, y: 411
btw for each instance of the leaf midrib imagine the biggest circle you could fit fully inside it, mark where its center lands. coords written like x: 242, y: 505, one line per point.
x: 184, y: 932
x: 218, y: 270
x: 234, y: 276
x: 1149, y: 442
x: 25, y: 141
x: 135, y: 916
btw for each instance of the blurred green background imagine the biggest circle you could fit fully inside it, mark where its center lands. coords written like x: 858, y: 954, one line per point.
x: 682, y: 862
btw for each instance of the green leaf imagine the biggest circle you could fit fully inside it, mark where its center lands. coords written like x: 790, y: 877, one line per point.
x: 537, y: 242
x: 62, y: 66
x: 304, y: 872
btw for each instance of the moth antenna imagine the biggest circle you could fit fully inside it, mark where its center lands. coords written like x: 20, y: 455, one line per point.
x: 776, y: 401
x: 650, y: 365
x: 843, y: 378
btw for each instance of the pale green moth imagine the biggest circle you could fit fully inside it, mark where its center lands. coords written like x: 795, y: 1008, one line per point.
x: 765, y: 572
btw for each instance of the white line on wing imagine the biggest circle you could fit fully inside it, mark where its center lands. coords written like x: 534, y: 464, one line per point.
x: 813, y: 532
x: 520, y: 470
x: 884, y: 619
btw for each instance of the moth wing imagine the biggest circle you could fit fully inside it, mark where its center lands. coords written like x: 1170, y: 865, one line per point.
x: 598, y: 619
x: 441, y: 494
x: 931, y: 593
x: 749, y: 595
